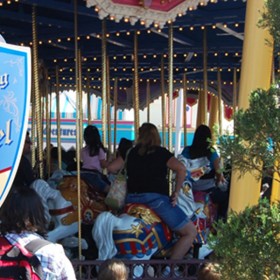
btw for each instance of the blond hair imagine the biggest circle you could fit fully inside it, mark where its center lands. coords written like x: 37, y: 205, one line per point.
x: 209, y: 271
x: 148, y: 138
x: 113, y: 270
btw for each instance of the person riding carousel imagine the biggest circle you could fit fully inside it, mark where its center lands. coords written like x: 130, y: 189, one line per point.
x: 203, y: 163
x: 93, y: 157
x: 147, y: 167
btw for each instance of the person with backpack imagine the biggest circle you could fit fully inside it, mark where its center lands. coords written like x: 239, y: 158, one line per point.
x: 23, y: 248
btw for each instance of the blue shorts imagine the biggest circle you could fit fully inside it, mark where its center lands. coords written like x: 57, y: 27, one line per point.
x: 173, y: 216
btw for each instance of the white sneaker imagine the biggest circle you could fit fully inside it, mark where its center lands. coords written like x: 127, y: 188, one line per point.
x: 166, y: 272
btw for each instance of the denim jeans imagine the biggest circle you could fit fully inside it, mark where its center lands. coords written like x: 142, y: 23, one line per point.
x: 173, y: 216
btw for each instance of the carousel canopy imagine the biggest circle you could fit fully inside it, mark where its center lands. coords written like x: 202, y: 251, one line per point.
x: 221, y: 20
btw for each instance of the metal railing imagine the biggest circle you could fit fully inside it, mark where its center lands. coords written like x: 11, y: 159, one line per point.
x: 145, y: 269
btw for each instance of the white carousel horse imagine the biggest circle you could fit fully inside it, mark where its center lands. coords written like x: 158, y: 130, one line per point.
x: 60, y: 201
x: 52, y: 199
x: 130, y: 237
x: 125, y: 224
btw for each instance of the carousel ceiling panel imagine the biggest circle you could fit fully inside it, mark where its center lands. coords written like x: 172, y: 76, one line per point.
x: 222, y: 22
x: 146, y: 11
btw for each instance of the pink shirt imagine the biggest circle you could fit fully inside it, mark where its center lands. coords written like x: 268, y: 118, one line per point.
x: 92, y: 162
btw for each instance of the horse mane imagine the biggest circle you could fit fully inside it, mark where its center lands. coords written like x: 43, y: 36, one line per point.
x: 46, y: 193
x: 102, y: 233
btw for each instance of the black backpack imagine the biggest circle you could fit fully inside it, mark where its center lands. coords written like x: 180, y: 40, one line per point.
x: 17, y: 262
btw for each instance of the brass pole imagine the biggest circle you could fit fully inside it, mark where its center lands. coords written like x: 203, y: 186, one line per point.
x: 115, y: 112
x: 58, y: 137
x: 108, y: 106
x: 220, y: 101
x: 170, y: 96
x: 163, y: 109
x: 136, y: 86
x: 148, y: 97
x: 88, y: 100
x: 205, y: 77
x: 234, y: 90
x: 33, y: 125
x: 78, y: 130
x: 214, y: 116
x: 104, y: 82
x: 37, y: 93
x: 80, y: 90
x: 170, y: 85
x: 185, y: 109
x: 48, y: 131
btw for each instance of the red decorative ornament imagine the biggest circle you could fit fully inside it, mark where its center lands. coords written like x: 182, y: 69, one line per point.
x: 228, y: 112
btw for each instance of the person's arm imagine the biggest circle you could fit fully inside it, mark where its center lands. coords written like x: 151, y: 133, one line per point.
x: 116, y: 165
x: 219, y: 172
x: 102, y: 158
x: 176, y: 166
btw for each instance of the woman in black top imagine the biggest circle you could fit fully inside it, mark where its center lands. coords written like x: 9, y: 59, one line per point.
x: 147, y: 167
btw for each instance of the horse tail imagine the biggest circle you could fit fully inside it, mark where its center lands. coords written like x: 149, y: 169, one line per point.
x: 102, y: 233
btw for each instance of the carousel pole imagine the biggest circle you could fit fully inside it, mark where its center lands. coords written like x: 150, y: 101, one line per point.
x: 163, y: 114
x: 205, y: 77
x: 220, y: 101
x: 108, y: 106
x: 37, y: 93
x: 80, y: 90
x: 88, y: 100
x: 136, y: 86
x: 78, y: 131
x: 115, y: 112
x: 170, y: 85
x: 234, y: 90
x: 202, y: 112
x: 104, y: 82
x: 213, y: 117
x: 148, y: 97
x: 58, y: 137
x: 48, y: 131
x: 33, y: 125
x: 275, y: 192
x: 255, y: 73
x: 185, y: 109
x: 170, y: 95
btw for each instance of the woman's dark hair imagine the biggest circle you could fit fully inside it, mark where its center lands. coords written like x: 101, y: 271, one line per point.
x: 93, y: 140
x: 23, y: 211
x: 124, y: 146
x: 202, y: 142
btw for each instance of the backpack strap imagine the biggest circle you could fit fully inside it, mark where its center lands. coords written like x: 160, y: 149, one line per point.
x: 36, y: 244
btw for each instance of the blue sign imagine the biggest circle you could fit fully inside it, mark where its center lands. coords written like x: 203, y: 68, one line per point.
x: 15, y: 88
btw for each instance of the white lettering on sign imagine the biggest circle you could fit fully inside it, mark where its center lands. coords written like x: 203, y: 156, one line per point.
x: 4, y: 81
x: 6, y: 135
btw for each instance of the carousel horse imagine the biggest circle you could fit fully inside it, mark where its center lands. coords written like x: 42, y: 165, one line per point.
x: 139, y: 233
x: 61, y: 204
x: 52, y: 199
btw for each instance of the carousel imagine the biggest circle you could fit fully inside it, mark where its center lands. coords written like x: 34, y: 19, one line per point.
x: 129, y: 53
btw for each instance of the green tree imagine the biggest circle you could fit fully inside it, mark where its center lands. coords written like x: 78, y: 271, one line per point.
x: 255, y: 144
x: 270, y: 19
x: 247, y: 246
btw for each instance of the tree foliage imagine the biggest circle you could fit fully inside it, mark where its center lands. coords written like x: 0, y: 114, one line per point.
x: 255, y: 145
x: 247, y: 245
x: 270, y: 19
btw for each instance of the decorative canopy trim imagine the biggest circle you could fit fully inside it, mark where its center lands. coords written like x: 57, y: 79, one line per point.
x: 143, y: 11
